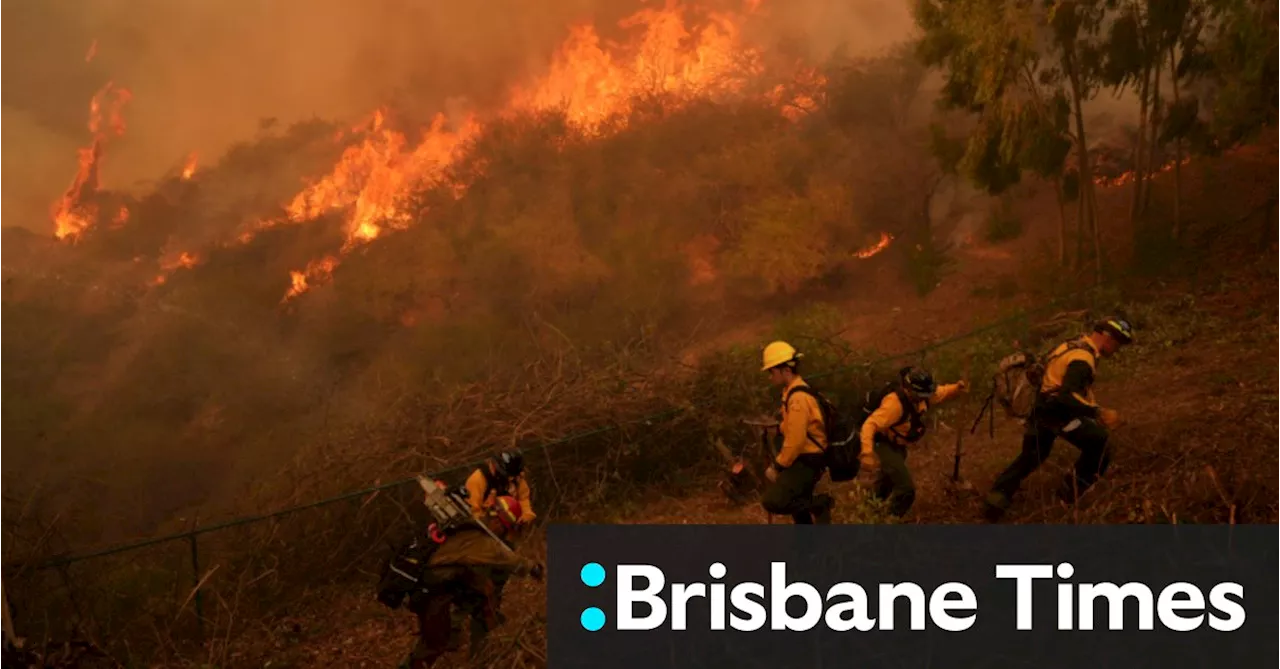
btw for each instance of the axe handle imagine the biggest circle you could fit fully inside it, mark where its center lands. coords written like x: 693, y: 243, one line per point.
x: 955, y: 471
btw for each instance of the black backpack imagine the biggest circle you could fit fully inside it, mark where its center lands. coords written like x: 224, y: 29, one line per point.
x: 841, y: 454
x: 404, y: 569
x: 872, y: 399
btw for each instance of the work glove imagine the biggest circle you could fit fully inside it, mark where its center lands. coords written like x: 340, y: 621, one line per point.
x: 870, y: 463
x: 1109, y: 417
x: 963, y: 386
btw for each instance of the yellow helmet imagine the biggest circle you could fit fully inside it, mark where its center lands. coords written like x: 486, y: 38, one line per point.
x: 777, y: 353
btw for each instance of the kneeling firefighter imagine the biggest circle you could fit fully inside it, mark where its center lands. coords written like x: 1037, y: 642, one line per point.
x: 895, y: 420
x: 449, y: 561
x: 800, y: 463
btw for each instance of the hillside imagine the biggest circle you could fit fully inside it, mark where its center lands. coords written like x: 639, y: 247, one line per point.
x: 586, y: 260
x: 1198, y: 445
x: 1198, y: 449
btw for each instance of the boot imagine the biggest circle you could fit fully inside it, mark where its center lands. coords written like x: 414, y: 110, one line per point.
x: 995, y: 505
x: 822, y: 509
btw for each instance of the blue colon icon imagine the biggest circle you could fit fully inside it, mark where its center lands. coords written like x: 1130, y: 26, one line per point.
x: 592, y: 619
x: 592, y: 574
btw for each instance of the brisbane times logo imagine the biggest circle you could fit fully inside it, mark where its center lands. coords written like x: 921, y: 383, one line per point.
x: 645, y: 601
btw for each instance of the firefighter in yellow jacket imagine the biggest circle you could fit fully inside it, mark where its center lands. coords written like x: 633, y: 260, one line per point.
x: 893, y: 426
x: 1065, y: 407
x: 490, y: 489
x: 800, y: 463
x: 500, y: 476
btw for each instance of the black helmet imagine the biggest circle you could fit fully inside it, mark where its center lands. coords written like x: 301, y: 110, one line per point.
x: 509, y: 463
x: 1118, y: 328
x: 918, y: 381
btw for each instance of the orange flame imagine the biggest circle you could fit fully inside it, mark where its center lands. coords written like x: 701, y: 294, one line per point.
x: 591, y: 80
x: 189, y: 169
x: 317, y: 271
x: 76, y: 211
x: 798, y: 99
x: 168, y: 266
x: 372, y: 177
x: 885, y: 239
x: 1128, y: 177
x: 184, y: 260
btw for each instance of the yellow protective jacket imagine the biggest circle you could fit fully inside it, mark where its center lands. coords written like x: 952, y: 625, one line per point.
x: 1069, y: 375
x: 802, y: 430
x: 482, y: 497
x: 887, y: 419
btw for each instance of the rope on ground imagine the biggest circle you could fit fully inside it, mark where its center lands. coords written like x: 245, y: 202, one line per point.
x: 646, y: 420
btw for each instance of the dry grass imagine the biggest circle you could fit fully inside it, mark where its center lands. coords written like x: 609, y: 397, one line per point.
x: 1198, y: 446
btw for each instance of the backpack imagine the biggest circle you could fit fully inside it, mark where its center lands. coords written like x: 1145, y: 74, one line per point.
x: 1016, y: 384
x: 872, y: 400
x: 841, y: 454
x: 403, y: 572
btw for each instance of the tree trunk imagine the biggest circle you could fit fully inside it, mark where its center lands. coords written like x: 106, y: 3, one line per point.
x: 1139, y: 149
x: 1177, y: 152
x: 1088, y: 205
x: 1062, y: 223
x: 1152, y: 165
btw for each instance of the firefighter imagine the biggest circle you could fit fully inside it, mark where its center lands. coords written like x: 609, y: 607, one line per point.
x: 459, y: 573
x: 1065, y: 407
x: 800, y: 463
x: 893, y: 425
x: 500, y: 475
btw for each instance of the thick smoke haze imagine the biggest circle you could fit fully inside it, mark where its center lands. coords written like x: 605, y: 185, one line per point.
x: 206, y: 73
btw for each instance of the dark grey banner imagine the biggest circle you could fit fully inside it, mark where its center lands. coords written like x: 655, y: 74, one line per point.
x: 1039, y: 596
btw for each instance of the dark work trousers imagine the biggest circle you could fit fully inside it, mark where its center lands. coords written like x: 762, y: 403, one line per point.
x: 1086, y: 434
x: 894, y: 482
x: 433, y: 630
x: 473, y: 605
x: 791, y: 493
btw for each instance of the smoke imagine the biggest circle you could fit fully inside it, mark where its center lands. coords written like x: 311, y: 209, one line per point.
x: 823, y: 27
x: 205, y: 73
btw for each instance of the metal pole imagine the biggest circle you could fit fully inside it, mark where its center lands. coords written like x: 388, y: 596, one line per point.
x: 195, y: 583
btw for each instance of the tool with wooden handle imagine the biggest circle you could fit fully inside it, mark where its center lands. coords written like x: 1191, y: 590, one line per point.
x: 766, y: 427
x: 956, y: 479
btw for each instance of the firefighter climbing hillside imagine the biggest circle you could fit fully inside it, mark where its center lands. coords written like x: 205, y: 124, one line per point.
x: 1065, y: 407
x: 800, y: 464
x: 453, y: 568
x: 895, y: 421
